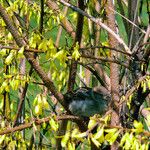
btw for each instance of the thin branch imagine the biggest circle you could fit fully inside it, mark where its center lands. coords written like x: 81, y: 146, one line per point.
x: 41, y: 15
x: 95, y: 73
x: 97, y: 21
x: 128, y: 20
x: 105, y: 59
x: 107, y: 47
x: 37, y: 122
x: 15, y: 48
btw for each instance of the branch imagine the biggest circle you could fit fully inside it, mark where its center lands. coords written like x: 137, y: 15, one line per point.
x: 106, y: 47
x: 41, y: 15
x: 30, y: 56
x: 37, y: 122
x: 64, y: 22
x: 105, y: 59
x: 95, y: 73
x: 79, y: 28
x: 97, y: 21
x: 15, y: 48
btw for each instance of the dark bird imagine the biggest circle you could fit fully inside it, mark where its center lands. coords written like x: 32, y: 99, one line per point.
x: 85, y: 102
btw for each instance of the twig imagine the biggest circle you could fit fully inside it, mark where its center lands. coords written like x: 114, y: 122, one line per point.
x: 37, y: 122
x: 106, y: 47
x: 106, y: 60
x: 97, y: 21
x: 15, y: 48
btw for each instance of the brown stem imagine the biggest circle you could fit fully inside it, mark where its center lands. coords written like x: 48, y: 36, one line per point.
x: 36, y: 122
x: 114, y: 70
x: 79, y: 27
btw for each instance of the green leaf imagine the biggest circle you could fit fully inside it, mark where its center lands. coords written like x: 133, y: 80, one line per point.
x: 144, y: 87
x: 14, y: 84
x: 1, y: 101
x: 12, y: 145
x: 74, y: 132
x: 129, y: 141
x: 135, y: 144
x: 113, y: 130
x: 10, y: 37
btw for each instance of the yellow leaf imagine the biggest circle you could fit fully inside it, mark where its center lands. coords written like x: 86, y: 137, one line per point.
x: 123, y: 139
x: 38, y: 110
x: 10, y: 37
x: 43, y: 45
x: 3, y: 52
x: 45, y: 103
x: 9, y: 59
x: 95, y: 142
x: 20, y: 53
x: 54, y: 124
x: 2, y: 138
x: 138, y: 126
x: 113, y: 138
x: 71, y: 146
x: 80, y: 135
x: 65, y: 139
x: 111, y: 130
x: 91, y: 123
x: 100, y: 135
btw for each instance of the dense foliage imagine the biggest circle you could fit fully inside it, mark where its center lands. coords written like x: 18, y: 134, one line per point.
x: 51, y: 48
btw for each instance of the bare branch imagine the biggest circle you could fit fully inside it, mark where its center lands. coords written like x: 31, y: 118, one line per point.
x: 97, y: 21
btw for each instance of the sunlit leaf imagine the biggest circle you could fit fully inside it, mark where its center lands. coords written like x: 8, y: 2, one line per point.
x: 2, y: 138
x: 65, y: 139
x: 54, y: 124
x: 80, y: 135
x: 97, y: 143
x: 38, y: 110
x: 3, y: 52
x: 113, y: 130
x: 76, y: 53
x: 91, y: 123
x: 9, y: 59
x: 45, y: 103
x: 21, y: 53
x: 138, y: 126
x: 71, y: 146
x: 43, y: 45
x: 99, y: 135
x: 10, y: 37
